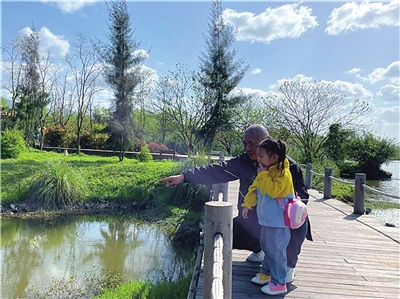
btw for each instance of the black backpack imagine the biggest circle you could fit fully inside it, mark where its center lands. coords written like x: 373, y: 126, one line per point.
x: 298, y: 181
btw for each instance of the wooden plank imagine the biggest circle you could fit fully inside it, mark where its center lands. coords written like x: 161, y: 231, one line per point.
x: 352, y: 256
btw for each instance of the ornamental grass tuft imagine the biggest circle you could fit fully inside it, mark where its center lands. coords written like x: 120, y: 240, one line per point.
x: 57, y: 185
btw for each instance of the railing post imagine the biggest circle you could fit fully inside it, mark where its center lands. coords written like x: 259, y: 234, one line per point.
x: 360, y: 179
x: 217, y: 219
x: 220, y: 188
x: 328, y: 183
x: 308, y: 175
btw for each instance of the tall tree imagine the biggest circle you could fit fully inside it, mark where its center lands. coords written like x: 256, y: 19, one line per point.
x: 48, y: 74
x: 122, y: 74
x: 307, y: 109
x: 160, y: 109
x: 220, y: 74
x: 142, y: 97
x: 86, y: 68
x: 180, y: 100
x: 31, y: 99
x: 64, y: 101
x: 335, y: 143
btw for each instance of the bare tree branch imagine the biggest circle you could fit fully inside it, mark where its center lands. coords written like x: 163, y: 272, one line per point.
x: 307, y: 109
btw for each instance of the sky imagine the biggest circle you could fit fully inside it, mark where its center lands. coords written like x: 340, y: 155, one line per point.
x: 353, y: 45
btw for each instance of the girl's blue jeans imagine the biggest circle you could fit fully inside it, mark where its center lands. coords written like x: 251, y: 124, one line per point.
x: 274, y: 241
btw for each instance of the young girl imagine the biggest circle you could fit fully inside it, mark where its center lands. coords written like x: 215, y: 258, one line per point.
x: 272, y: 182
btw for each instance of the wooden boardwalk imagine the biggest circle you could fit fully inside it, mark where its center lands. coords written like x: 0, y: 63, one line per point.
x: 352, y: 256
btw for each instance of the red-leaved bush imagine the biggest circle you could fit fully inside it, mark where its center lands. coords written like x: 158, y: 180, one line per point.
x: 155, y: 147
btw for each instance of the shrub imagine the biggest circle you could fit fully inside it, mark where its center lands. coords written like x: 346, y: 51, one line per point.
x: 144, y: 155
x: 57, y: 185
x: 93, y: 140
x: 12, y: 144
x: 138, y: 144
x: 156, y: 147
x: 64, y: 136
x: 371, y: 152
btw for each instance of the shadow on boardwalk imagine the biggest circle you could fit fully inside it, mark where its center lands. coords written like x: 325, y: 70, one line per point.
x: 352, y: 256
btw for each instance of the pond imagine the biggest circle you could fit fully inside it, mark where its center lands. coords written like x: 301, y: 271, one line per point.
x: 35, y: 254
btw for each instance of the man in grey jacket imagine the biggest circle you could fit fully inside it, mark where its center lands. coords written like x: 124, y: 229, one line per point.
x: 244, y: 167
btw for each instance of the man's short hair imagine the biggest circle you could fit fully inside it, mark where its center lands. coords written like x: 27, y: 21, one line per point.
x: 257, y: 130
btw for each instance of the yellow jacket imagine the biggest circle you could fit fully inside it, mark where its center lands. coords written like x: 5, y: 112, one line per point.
x: 267, y: 187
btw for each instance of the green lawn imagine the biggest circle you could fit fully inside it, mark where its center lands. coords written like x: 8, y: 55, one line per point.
x: 106, y: 177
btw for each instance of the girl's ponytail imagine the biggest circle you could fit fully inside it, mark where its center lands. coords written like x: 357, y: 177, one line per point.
x: 281, y: 153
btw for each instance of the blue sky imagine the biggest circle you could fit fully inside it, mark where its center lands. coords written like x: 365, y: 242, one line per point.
x: 354, y: 45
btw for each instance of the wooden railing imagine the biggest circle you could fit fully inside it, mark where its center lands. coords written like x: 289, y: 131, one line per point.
x: 359, y: 185
x: 217, y: 250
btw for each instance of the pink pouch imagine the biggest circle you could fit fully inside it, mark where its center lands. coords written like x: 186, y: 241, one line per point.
x: 295, y: 212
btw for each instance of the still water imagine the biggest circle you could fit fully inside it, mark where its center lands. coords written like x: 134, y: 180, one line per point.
x: 32, y: 254
x: 391, y: 186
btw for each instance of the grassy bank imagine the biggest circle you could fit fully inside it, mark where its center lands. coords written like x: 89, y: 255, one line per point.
x: 142, y: 289
x: 106, y: 178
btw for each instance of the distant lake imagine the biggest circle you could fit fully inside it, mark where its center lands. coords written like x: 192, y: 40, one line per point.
x: 391, y: 186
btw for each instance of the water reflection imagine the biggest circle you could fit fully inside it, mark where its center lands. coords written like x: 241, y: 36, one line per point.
x: 35, y: 253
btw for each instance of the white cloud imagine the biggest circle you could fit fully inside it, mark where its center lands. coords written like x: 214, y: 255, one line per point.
x: 26, y: 31
x: 55, y: 43
x: 297, y: 78
x: 389, y: 93
x: 103, y: 98
x: 348, y: 89
x: 286, y: 21
x: 48, y: 41
x: 352, y: 90
x: 352, y: 16
x: 70, y: 6
x: 357, y: 72
x: 392, y: 73
x: 149, y: 76
x: 386, y: 122
x: 255, y: 71
x: 141, y: 53
x: 256, y: 93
